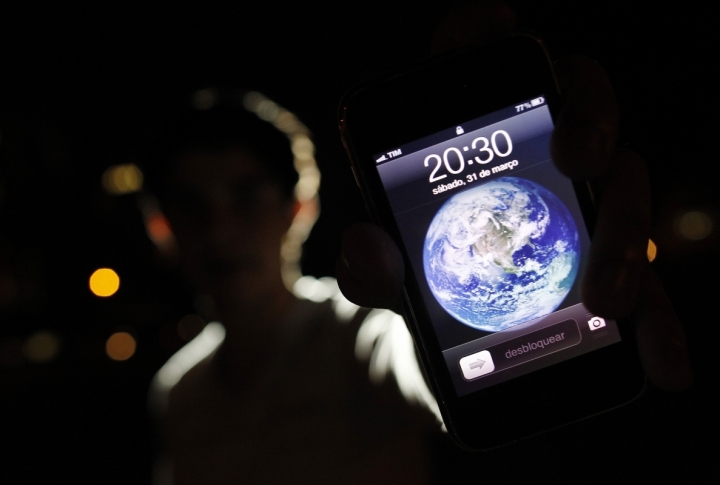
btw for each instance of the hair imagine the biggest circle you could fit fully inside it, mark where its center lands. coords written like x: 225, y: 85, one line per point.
x: 215, y: 120
x: 224, y: 124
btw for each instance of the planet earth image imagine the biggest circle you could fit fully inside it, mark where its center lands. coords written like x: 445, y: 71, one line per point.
x: 501, y: 254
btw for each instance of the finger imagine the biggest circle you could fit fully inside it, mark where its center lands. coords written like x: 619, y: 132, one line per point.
x: 618, y: 255
x: 585, y: 137
x: 660, y: 337
x: 474, y: 23
x: 370, y: 270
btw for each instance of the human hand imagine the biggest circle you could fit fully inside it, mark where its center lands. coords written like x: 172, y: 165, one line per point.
x: 618, y: 281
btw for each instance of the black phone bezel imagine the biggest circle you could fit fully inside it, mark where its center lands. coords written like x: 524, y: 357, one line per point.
x: 424, y: 99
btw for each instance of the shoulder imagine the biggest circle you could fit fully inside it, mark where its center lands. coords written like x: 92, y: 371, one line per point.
x: 181, y: 373
x: 379, y: 344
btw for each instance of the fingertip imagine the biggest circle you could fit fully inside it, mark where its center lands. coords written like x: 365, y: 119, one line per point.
x: 585, y: 138
x: 370, y: 268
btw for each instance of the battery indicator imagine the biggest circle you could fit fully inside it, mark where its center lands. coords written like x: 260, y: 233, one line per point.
x: 537, y: 101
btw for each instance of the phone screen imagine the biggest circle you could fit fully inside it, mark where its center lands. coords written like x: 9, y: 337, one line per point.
x: 496, y: 237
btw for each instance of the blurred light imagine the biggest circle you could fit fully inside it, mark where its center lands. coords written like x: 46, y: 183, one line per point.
x: 267, y: 110
x: 190, y: 326
x: 313, y: 289
x: 651, y: 251
x: 158, y: 229
x: 287, y: 122
x: 326, y: 289
x: 122, y: 179
x: 251, y: 100
x: 303, y: 148
x: 157, y: 226
x: 41, y: 347
x: 182, y: 361
x: 694, y: 225
x: 204, y: 99
x: 120, y: 346
x: 104, y: 282
x: 306, y: 189
x: 384, y: 340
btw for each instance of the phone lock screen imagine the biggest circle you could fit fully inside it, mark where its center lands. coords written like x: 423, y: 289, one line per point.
x: 497, y: 240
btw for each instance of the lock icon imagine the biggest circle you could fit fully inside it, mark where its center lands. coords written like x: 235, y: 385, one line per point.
x: 459, y: 130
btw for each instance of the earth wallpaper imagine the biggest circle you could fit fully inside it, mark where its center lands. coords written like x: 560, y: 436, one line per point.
x: 81, y: 86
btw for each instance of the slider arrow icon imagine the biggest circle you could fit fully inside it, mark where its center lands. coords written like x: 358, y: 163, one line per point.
x: 477, y: 364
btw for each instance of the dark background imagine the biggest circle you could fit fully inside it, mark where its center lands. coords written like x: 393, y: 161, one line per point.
x: 77, y: 86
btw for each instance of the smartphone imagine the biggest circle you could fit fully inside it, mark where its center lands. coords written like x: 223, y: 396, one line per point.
x: 453, y: 159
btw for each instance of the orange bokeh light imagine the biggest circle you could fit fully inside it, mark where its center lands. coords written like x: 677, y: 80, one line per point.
x: 122, y: 179
x: 158, y: 228
x: 120, y: 346
x: 651, y: 250
x: 104, y: 282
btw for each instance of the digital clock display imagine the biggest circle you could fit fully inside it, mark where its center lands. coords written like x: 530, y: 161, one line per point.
x: 496, y: 238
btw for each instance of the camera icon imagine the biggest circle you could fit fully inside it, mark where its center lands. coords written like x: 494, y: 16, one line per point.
x: 596, y: 322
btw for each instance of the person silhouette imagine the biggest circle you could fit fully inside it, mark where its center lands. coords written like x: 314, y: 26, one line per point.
x: 274, y: 393
x: 276, y: 389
